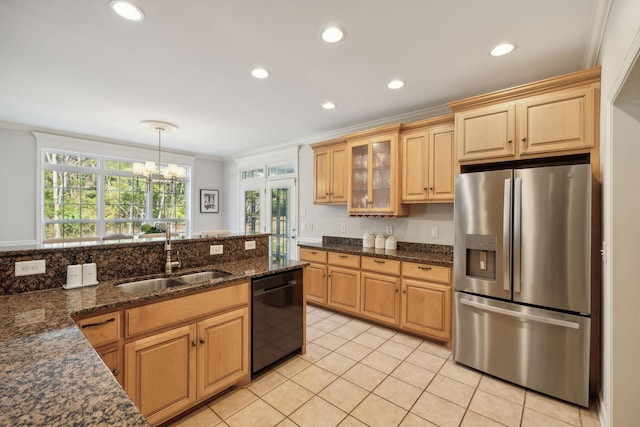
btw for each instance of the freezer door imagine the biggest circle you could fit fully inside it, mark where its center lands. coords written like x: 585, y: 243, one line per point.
x: 539, y: 349
x: 482, y: 233
x: 552, y: 237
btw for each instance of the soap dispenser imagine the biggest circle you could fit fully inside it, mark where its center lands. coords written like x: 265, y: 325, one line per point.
x: 89, y: 273
x: 74, y: 274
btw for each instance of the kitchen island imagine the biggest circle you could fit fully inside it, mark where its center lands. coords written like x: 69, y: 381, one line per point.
x: 51, y: 375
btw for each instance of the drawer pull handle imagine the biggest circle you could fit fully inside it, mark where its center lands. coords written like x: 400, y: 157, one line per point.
x: 425, y: 268
x: 90, y: 325
x: 313, y: 252
x: 343, y: 256
x: 377, y: 261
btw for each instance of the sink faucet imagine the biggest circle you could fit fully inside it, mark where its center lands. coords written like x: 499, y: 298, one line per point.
x: 170, y: 265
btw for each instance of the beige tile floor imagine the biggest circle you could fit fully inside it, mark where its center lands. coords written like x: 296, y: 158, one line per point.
x: 359, y: 374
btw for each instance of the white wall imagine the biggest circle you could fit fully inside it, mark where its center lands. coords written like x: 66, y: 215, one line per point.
x: 209, y: 175
x: 621, y: 212
x: 18, y: 174
x: 326, y: 220
x: 18, y: 190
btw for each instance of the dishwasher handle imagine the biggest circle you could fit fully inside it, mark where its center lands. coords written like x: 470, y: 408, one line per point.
x: 289, y: 284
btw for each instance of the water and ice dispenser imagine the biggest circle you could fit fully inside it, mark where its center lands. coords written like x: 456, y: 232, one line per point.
x: 481, y: 256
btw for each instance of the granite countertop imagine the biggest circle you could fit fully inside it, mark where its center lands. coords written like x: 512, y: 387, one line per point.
x: 421, y: 256
x: 51, y: 375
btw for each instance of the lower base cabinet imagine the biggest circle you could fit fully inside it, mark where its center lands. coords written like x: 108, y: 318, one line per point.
x: 426, y: 308
x: 380, y: 297
x: 344, y: 289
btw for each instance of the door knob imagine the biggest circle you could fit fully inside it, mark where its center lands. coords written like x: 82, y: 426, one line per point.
x: 201, y: 340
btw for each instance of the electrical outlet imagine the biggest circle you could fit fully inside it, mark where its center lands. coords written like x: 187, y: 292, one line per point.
x: 343, y: 228
x: 249, y: 244
x: 435, y: 232
x: 303, y: 226
x: 389, y: 230
x: 26, y: 268
x: 216, y: 249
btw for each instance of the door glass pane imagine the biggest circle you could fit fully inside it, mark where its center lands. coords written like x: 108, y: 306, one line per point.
x: 279, y: 223
x: 359, y: 177
x: 252, y: 211
x: 381, y: 184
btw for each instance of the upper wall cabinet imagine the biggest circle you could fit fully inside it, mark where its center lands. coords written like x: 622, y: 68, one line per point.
x: 428, y: 159
x: 330, y: 172
x: 551, y: 117
x: 373, y: 183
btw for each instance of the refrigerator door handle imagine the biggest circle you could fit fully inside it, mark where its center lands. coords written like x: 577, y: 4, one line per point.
x: 506, y: 235
x: 517, y: 232
x: 525, y: 316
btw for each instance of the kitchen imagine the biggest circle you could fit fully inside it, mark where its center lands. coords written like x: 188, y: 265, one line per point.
x: 617, y: 52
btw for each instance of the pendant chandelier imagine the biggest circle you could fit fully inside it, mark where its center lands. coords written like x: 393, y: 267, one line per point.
x: 172, y: 171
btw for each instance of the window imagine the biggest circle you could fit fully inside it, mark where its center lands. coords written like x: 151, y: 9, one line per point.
x: 86, y: 196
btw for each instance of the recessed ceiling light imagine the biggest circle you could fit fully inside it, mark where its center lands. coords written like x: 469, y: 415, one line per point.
x: 127, y: 10
x: 328, y: 105
x: 259, y: 73
x: 502, y: 49
x: 395, y: 84
x: 332, y: 35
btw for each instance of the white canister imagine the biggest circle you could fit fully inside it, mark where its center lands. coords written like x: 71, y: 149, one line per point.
x: 380, y: 240
x: 368, y: 240
x: 391, y: 244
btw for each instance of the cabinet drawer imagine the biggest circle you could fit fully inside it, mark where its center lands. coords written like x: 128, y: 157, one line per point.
x: 426, y: 272
x: 344, y: 260
x: 102, y: 329
x: 162, y: 314
x: 379, y: 265
x: 313, y: 255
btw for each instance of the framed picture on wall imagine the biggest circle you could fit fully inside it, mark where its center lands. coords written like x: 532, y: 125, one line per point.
x: 209, y: 201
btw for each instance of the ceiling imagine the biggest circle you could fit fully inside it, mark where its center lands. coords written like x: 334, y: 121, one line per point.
x: 75, y: 67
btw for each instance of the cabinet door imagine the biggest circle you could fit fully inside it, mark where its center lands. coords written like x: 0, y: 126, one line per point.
x: 344, y: 289
x: 111, y: 357
x: 160, y: 373
x: 415, y: 168
x: 382, y: 179
x: 223, y: 351
x: 557, y: 121
x: 315, y: 283
x: 338, y: 188
x: 322, y: 175
x: 380, y: 299
x: 358, y: 183
x: 485, y: 133
x: 441, y: 161
x: 426, y: 308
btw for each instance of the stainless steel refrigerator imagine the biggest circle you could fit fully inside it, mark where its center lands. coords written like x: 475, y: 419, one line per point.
x: 522, y: 277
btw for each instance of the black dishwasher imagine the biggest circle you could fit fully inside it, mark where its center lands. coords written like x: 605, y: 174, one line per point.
x: 277, y: 318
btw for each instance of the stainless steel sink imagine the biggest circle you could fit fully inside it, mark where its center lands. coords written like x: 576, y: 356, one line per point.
x: 150, y: 285
x: 205, y: 276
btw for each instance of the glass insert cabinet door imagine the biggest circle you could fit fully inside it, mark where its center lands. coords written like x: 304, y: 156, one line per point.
x: 371, y: 171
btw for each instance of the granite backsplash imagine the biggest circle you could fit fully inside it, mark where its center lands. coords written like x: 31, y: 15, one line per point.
x: 123, y: 260
x: 402, y: 246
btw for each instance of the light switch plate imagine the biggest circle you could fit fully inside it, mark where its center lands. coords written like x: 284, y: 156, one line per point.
x: 435, y: 232
x: 216, y: 249
x: 249, y: 244
x: 26, y: 268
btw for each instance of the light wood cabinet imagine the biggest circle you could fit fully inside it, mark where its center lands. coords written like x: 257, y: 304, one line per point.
x: 184, y: 350
x: 160, y: 373
x: 374, y: 173
x: 428, y: 159
x: 223, y: 351
x: 557, y: 116
x: 426, y: 304
x: 343, y: 288
x: 330, y: 172
x: 104, y: 332
x: 409, y: 296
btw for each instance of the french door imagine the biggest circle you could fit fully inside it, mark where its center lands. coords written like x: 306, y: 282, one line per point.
x: 280, y: 218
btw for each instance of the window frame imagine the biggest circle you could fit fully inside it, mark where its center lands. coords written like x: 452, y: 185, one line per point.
x: 103, y: 152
